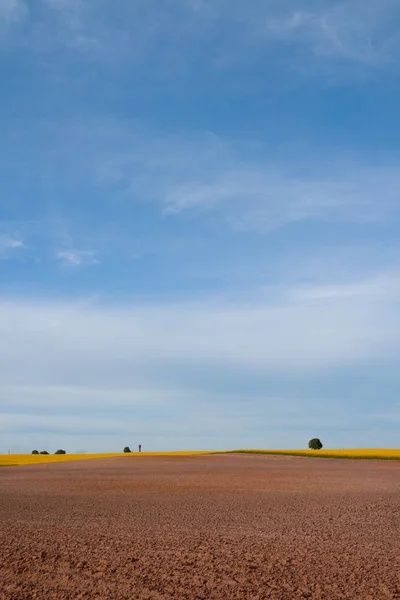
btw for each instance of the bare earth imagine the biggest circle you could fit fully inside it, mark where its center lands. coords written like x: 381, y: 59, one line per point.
x: 212, y: 527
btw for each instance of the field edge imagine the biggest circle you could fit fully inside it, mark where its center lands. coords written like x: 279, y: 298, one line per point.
x: 351, y: 454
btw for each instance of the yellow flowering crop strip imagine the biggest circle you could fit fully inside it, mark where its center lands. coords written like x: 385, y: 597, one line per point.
x: 350, y: 453
x: 37, y: 459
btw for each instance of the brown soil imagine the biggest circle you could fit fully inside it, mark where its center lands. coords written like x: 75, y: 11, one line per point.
x: 211, y: 527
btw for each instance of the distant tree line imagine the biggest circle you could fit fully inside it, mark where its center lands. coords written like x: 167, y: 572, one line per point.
x: 313, y: 444
x: 59, y: 451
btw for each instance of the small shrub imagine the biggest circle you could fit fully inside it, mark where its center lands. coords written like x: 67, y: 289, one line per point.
x: 44, y: 452
x: 127, y: 449
x: 35, y: 451
x: 59, y: 451
x: 315, y: 444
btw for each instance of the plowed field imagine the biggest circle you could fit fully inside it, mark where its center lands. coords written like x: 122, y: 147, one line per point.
x: 201, y: 527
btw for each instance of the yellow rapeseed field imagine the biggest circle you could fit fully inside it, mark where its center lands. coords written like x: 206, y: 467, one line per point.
x: 35, y: 459
x: 355, y: 453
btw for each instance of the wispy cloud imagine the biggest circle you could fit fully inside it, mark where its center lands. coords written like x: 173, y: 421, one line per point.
x: 8, y: 245
x: 348, y: 30
x: 77, y: 258
x: 269, y: 198
x: 228, y: 35
x: 124, y: 164
x: 12, y: 11
x: 80, y: 26
x: 262, y: 194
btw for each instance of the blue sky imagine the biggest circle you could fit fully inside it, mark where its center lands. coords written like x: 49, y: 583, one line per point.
x: 199, y: 224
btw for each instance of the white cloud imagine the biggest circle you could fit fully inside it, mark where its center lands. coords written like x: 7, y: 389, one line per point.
x: 296, y: 331
x: 12, y: 244
x: 8, y: 245
x: 77, y: 258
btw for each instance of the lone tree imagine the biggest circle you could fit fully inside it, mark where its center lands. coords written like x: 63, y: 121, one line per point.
x: 44, y: 452
x: 35, y: 451
x: 127, y: 449
x: 315, y: 444
x: 59, y: 451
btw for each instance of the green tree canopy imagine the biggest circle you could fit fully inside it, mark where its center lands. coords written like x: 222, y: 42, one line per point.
x: 315, y: 444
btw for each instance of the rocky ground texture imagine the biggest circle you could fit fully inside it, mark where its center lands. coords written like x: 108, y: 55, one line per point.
x: 201, y: 527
